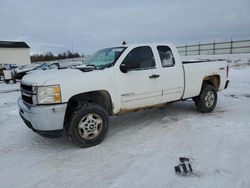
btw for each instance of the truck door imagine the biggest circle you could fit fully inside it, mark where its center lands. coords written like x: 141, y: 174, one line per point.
x: 140, y: 86
x: 172, y: 75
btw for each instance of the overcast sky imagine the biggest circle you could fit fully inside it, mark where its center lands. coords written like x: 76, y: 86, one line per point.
x: 87, y: 25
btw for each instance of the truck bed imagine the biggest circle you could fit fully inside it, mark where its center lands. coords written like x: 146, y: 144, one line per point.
x: 201, y: 61
x: 196, y: 71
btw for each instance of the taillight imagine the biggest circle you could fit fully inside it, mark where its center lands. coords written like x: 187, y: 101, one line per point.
x: 227, y: 70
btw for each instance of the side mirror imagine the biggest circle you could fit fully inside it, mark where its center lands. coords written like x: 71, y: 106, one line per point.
x: 129, y: 66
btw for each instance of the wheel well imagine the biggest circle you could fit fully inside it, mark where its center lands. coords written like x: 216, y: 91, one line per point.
x: 100, y: 97
x: 213, y: 80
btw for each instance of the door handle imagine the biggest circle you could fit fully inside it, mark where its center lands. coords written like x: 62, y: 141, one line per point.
x: 154, y: 76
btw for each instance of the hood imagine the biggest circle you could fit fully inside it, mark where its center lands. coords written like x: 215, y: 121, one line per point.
x: 40, y: 77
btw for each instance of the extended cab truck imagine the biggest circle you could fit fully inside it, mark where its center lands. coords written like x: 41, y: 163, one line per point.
x: 114, y: 81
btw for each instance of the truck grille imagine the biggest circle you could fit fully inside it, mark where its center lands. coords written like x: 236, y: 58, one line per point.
x: 26, y: 87
x: 28, y: 94
x: 27, y: 99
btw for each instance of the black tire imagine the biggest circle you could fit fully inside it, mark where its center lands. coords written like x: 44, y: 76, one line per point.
x: 85, y: 135
x: 207, y: 99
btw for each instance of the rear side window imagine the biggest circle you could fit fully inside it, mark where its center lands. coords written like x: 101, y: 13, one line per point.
x: 143, y: 55
x: 166, y: 55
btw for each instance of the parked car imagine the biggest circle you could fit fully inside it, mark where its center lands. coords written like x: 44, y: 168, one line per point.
x: 45, y: 66
x: 7, y: 72
x: 21, y: 71
x: 115, y: 81
x: 1, y: 71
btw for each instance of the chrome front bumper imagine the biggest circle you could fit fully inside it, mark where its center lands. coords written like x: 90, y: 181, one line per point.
x: 43, y: 118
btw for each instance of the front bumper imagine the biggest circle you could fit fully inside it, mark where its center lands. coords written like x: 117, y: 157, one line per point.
x: 43, y: 118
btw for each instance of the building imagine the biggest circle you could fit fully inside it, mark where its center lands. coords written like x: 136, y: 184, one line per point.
x: 12, y: 52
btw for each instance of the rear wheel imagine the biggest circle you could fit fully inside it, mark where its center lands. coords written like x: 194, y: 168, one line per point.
x: 207, y: 99
x: 88, y: 126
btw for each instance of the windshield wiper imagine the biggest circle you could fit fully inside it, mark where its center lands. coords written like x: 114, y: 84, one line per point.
x: 91, y: 65
x: 87, y: 68
x: 105, y: 66
x: 100, y: 67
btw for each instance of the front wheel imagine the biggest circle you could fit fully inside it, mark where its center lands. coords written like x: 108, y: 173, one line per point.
x: 207, y: 99
x: 88, y: 126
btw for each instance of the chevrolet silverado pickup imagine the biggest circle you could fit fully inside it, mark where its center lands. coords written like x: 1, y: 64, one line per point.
x: 116, y: 80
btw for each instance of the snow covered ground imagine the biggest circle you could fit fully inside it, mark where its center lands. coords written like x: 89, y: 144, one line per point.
x: 141, y: 148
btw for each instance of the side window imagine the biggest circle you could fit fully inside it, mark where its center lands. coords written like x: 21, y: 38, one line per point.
x: 166, y: 55
x: 142, y: 55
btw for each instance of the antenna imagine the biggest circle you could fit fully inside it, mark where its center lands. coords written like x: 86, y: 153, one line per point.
x: 124, y: 42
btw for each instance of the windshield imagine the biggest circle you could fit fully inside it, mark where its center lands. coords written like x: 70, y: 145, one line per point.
x: 105, y: 57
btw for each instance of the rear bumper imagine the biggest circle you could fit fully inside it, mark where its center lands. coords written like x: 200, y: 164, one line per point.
x: 226, y: 85
x: 43, y: 119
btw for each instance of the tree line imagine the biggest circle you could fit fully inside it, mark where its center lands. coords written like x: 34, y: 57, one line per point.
x: 49, y: 56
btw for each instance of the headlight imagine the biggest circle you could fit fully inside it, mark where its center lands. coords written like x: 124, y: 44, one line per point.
x: 49, y: 94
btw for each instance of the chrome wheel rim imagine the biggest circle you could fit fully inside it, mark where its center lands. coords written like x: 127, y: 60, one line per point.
x: 90, y: 126
x: 209, y: 99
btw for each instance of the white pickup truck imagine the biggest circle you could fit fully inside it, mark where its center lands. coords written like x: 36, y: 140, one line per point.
x: 116, y: 80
